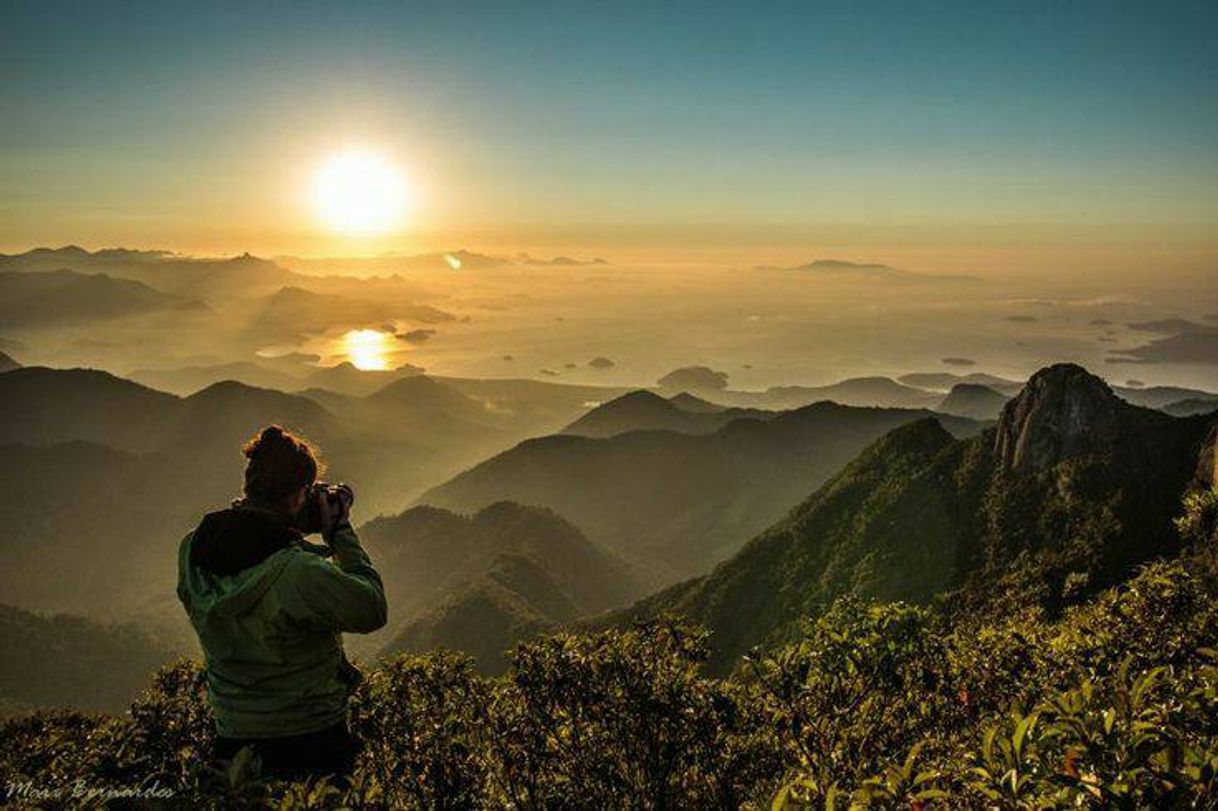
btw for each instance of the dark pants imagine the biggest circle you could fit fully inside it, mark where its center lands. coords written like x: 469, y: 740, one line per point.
x: 330, y: 751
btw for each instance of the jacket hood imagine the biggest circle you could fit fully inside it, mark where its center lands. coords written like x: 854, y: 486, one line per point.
x: 228, y: 541
x: 232, y: 558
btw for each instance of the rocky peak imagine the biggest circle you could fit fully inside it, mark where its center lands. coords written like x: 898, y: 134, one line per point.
x: 1063, y: 411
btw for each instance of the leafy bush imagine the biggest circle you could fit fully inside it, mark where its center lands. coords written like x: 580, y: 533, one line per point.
x: 1113, y: 702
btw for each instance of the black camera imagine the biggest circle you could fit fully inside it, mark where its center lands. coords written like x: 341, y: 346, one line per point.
x: 339, y: 497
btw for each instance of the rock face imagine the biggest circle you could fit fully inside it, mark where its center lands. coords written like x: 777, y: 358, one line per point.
x: 1063, y: 411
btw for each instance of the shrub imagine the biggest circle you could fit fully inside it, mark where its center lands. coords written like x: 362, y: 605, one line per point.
x: 1111, y: 703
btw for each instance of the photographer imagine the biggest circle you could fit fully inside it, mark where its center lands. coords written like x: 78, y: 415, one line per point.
x: 269, y: 609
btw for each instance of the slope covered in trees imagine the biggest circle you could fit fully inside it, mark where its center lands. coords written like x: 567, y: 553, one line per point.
x: 1108, y: 703
x: 1067, y: 492
x: 677, y: 503
x: 1065, y: 658
x: 481, y: 583
x: 70, y: 661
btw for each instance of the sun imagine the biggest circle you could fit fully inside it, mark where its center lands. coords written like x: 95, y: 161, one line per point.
x: 360, y: 192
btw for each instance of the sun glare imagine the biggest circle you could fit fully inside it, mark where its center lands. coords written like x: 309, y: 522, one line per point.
x: 368, y: 349
x: 360, y: 192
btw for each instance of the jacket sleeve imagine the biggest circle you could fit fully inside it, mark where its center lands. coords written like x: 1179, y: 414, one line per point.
x: 344, y: 595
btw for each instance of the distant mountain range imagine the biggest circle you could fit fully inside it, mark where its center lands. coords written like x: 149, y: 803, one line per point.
x: 170, y: 273
x: 841, y: 270
x: 184, y: 380
x: 648, y: 411
x: 862, y: 391
x: 859, y: 391
x: 1070, y: 489
x: 559, y: 261
x: 103, y: 473
x: 674, y: 502
x: 1160, y: 396
x: 65, y: 297
x: 944, y: 381
x: 342, y: 378
x: 1072, y: 486
x: 443, y: 261
x: 974, y: 401
x: 1192, y: 407
x: 291, y: 313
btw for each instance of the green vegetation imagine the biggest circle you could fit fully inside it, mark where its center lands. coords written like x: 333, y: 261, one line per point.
x: 70, y: 661
x: 1025, y: 619
x: 1070, y: 491
x: 1113, y: 702
x: 482, y: 583
x: 676, y: 503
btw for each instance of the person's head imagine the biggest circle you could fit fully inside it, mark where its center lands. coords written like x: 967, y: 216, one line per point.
x: 280, y: 469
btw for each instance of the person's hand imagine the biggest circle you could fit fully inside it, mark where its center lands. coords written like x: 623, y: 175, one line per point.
x: 334, y: 513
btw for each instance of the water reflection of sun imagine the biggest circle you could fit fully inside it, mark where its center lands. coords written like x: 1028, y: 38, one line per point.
x: 368, y: 349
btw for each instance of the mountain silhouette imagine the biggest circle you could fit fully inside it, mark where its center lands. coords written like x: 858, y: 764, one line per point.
x: 295, y: 311
x: 238, y: 276
x: 424, y: 411
x: 693, y: 378
x: 183, y: 380
x: 1192, y: 406
x: 8, y: 363
x: 1072, y: 485
x: 944, y: 381
x: 647, y: 411
x: 672, y: 502
x: 549, y: 406
x: 345, y: 378
x: 693, y: 404
x: 483, y: 582
x: 859, y: 391
x: 1161, y: 396
x: 100, y: 471
x: 39, y: 406
x: 65, y: 297
x: 844, y: 271
x: 974, y: 401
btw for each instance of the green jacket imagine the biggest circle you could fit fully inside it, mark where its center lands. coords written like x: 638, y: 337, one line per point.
x: 271, y: 633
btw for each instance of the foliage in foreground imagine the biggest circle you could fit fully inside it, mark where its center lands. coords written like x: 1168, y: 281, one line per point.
x: 1112, y: 703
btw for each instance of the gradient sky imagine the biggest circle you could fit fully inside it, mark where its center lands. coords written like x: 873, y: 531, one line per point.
x: 197, y: 126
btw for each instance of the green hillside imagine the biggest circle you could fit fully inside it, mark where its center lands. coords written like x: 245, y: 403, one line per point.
x: 1067, y: 492
x: 70, y: 661
x: 1109, y: 703
x: 515, y: 599
x: 678, y: 503
x: 481, y: 583
x: 1023, y: 619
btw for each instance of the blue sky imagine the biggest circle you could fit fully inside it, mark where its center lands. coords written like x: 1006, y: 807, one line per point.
x: 576, y: 116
